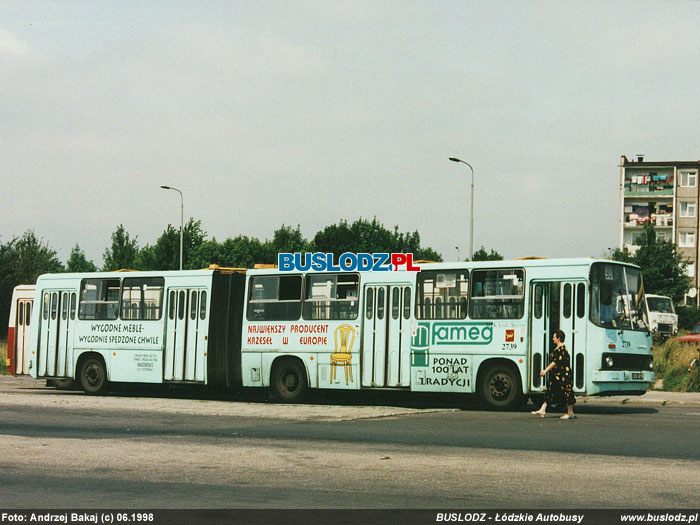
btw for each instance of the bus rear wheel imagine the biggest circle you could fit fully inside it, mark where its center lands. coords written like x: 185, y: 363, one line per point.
x: 288, y: 381
x: 93, y: 376
x: 500, y: 387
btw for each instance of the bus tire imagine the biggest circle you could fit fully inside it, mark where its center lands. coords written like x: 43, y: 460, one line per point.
x: 93, y: 376
x: 288, y: 381
x: 500, y: 387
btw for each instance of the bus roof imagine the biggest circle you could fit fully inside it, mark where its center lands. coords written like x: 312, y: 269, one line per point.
x: 518, y: 263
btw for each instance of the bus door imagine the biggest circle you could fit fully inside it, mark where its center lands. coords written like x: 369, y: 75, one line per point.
x: 573, y: 321
x: 56, y: 333
x: 186, y: 335
x: 557, y: 305
x: 24, y: 314
x: 386, y: 338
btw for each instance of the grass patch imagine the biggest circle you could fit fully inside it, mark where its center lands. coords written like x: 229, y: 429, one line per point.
x: 3, y: 357
x: 671, y: 361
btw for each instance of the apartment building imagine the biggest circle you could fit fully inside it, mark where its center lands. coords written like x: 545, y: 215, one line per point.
x: 665, y: 194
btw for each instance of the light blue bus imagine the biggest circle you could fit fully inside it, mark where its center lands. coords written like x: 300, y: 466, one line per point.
x: 481, y: 327
x: 466, y: 328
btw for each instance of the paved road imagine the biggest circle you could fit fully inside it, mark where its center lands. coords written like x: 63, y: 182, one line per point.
x: 65, y: 449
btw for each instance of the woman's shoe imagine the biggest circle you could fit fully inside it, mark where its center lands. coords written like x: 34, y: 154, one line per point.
x: 538, y: 413
x: 567, y: 416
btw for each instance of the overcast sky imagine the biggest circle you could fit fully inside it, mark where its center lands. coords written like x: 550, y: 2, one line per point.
x: 267, y: 113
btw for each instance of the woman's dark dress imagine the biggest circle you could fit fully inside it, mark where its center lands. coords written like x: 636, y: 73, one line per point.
x: 560, y: 382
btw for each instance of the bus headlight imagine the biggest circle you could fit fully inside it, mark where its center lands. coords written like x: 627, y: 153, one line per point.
x: 609, y: 362
x: 651, y: 364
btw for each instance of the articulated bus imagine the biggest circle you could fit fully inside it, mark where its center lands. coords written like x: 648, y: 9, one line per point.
x: 475, y: 328
x: 18, y: 328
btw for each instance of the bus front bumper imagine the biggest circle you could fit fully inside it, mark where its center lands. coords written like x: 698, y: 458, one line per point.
x: 617, y: 376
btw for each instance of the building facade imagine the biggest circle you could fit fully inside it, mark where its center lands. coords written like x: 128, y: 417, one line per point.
x: 666, y: 195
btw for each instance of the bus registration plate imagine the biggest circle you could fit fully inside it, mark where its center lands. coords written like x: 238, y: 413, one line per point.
x: 637, y: 375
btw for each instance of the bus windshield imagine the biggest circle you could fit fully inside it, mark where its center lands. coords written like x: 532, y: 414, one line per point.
x: 617, y: 297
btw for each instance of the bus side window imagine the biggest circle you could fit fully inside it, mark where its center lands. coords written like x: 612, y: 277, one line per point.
x: 438, y: 292
x: 203, y: 305
x: 539, y: 298
x: 181, y: 306
x: 193, y: 305
x: 99, y: 299
x: 54, y: 305
x: 369, y: 309
x: 64, y: 306
x: 331, y: 296
x: 567, y: 301
x: 73, y: 298
x: 46, y: 307
x: 28, y: 313
x: 20, y: 317
x: 395, y: 303
x: 274, y: 298
x: 171, y: 310
x: 380, y: 303
x: 406, y: 302
x: 497, y: 294
x: 581, y: 300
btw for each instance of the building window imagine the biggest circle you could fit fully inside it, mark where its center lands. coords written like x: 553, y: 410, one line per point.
x: 686, y: 239
x: 689, y: 179
x: 687, y: 209
x: 690, y: 269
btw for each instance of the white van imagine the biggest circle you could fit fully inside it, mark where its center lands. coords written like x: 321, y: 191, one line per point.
x: 663, y: 320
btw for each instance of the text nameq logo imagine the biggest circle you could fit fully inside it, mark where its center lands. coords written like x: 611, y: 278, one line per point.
x: 347, y: 262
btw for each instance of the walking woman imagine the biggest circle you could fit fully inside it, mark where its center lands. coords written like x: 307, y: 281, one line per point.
x: 560, y: 387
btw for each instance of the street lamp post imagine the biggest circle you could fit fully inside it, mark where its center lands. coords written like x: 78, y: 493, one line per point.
x: 457, y: 248
x: 182, y: 217
x: 471, y: 216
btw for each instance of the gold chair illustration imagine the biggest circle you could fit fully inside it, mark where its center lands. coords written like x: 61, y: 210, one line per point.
x: 342, y: 355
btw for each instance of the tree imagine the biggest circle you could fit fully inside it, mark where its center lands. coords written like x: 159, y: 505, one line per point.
x: 482, y: 255
x: 77, y: 262
x: 165, y: 253
x: 663, y: 268
x: 369, y: 237
x: 22, y: 260
x: 123, y: 252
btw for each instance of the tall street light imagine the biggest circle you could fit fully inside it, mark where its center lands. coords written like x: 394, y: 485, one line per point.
x: 471, y: 217
x: 182, y: 217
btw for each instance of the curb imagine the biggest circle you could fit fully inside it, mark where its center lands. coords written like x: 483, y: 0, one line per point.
x: 653, y: 397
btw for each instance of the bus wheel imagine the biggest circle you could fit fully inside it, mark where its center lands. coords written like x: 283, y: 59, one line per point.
x: 93, y: 376
x: 500, y: 387
x: 288, y: 381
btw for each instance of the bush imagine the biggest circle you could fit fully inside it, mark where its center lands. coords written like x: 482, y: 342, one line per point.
x: 671, y: 361
x: 688, y: 316
x: 3, y: 358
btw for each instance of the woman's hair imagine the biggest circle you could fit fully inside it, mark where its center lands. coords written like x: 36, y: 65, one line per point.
x: 560, y: 335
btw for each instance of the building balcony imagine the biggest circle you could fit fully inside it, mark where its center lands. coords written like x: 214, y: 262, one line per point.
x: 649, y: 192
x: 632, y: 220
